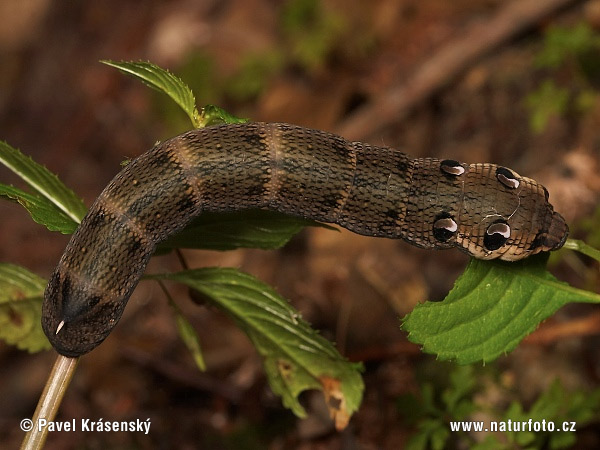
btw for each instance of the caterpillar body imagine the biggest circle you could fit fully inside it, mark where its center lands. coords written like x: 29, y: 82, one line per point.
x: 485, y: 210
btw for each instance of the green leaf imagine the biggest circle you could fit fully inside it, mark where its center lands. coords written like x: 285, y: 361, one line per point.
x: 163, y: 81
x: 439, y: 438
x: 248, y: 229
x: 562, y: 440
x: 549, y: 404
x: 41, y: 209
x: 546, y: 101
x: 553, y: 405
x: 583, y: 406
x: 21, y: 294
x: 491, y: 308
x: 490, y: 442
x: 254, y: 73
x: 213, y: 115
x: 296, y: 357
x: 428, y: 398
x: 433, y: 431
x: 189, y: 336
x: 411, y: 408
x: 312, y: 31
x: 43, y: 182
x: 564, y: 43
x: 418, y: 441
x: 462, y: 385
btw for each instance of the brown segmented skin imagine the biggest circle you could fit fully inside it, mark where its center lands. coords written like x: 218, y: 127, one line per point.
x: 374, y: 191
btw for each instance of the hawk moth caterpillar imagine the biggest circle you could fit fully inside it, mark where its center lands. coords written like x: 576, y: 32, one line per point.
x: 485, y: 210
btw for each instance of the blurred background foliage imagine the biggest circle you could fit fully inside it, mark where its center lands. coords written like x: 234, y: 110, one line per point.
x: 568, y: 51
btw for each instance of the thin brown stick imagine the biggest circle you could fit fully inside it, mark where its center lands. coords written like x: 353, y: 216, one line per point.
x: 553, y: 332
x: 443, y: 66
x: 183, y: 375
x: 383, y: 352
x: 50, y: 400
x: 181, y: 259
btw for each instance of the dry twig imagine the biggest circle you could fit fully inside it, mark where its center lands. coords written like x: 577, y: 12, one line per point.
x: 451, y: 60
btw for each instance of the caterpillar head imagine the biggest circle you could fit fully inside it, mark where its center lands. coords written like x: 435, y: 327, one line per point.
x: 501, y: 214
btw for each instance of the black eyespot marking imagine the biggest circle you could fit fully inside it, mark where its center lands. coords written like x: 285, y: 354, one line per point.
x: 403, y: 166
x: 444, y: 227
x: 185, y: 203
x: 135, y: 245
x: 339, y: 146
x: 496, y: 235
x: 255, y: 191
x: 254, y: 140
x: 93, y: 301
x: 507, y: 178
x: 452, y: 167
x: 161, y: 160
x: 392, y: 213
x: 97, y: 220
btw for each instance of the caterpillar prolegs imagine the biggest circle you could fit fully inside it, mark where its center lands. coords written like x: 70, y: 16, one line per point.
x: 485, y: 210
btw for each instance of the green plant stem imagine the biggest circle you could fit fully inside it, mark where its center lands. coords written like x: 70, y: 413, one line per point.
x: 50, y: 400
x: 582, y: 247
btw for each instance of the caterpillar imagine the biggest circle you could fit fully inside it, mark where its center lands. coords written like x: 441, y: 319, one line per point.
x: 485, y: 210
